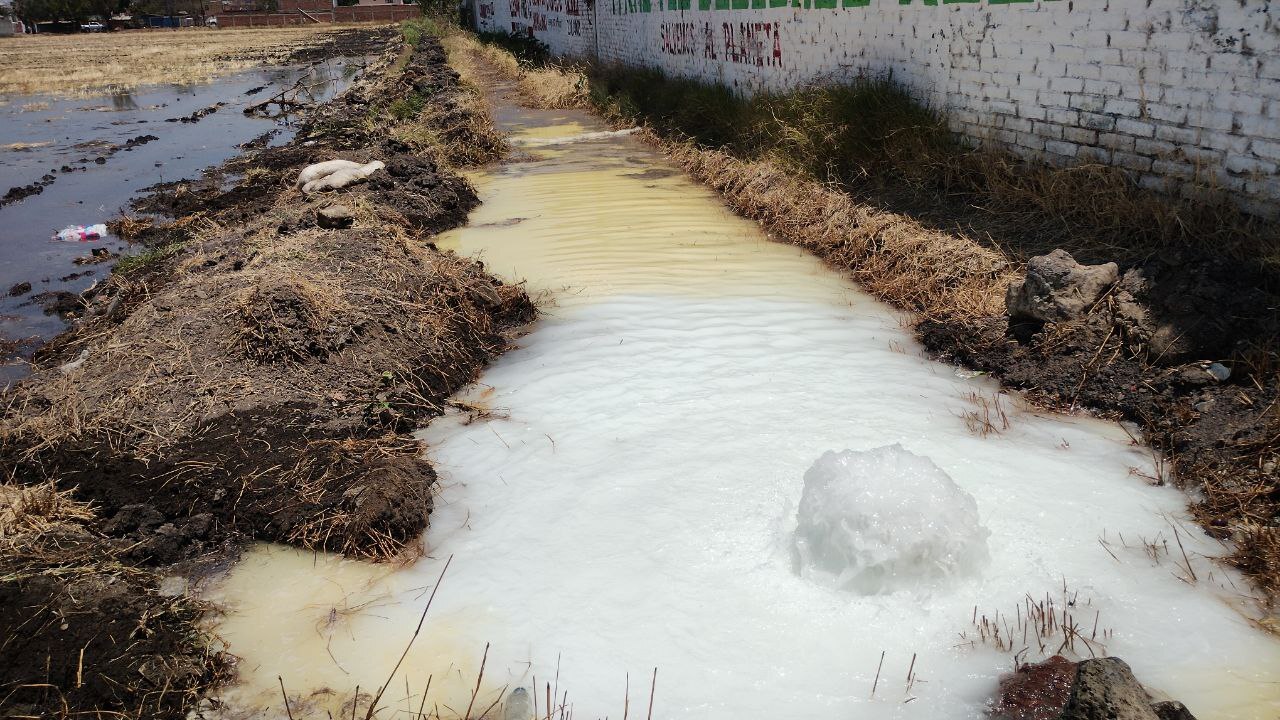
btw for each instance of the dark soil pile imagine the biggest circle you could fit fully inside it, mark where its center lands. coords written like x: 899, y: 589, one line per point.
x: 251, y: 375
x: 82, y: 628
x: 350, y: 42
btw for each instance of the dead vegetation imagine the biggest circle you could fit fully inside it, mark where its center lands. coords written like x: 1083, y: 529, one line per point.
x: 933, y: 273
x: 985, y: 416
x: 1042, y: 627
x: 546, y: 88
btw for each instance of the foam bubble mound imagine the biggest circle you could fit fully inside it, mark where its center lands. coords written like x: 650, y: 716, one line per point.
x: 884, y: 520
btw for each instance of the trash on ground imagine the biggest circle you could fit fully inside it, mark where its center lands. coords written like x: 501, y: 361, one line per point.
x: 81, y: 233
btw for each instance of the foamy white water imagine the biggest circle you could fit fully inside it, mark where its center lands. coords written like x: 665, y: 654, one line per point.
x: 630, y: 500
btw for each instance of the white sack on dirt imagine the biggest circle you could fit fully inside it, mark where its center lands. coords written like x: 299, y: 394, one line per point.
x: 335, y: 174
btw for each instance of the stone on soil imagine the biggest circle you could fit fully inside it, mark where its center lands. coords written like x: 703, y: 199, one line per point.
x: 1105, y: 689
x: 335, y: 217
x: 1057, y: 288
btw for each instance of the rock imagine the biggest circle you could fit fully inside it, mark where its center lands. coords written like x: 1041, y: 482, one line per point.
x: 1220, y: 372
x: 70, y: 367
x: 1037, y: 691
x: 134, y: 517
x: 518, y: 705
x: 1172, y: 710
x: 21, y: 288
x: 1105, y: 689
x: 197, y: 526
x: 486, y: 295
x: 335, y: 217
x: 1058, y: 288
x: 1193, y: 376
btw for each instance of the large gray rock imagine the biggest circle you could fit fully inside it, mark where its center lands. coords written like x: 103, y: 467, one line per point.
x: 1058, y: 288
x: 1105, y: 689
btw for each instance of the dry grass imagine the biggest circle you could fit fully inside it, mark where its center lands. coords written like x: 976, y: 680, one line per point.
x: 546, y: 88
x: 933, y: 273
x: 36, y: 509
x: 122, y: 61
x: 1042, y: 627
x: 477, y: 62
x: 553, y: 89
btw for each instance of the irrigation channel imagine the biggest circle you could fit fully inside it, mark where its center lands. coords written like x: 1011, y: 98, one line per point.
x: 643, y: 484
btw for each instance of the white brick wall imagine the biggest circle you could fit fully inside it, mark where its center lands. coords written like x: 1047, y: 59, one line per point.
x: 1184, y: 92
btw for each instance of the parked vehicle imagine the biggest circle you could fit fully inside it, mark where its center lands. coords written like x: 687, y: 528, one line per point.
x: 211, y: 22
x: 93, y: 26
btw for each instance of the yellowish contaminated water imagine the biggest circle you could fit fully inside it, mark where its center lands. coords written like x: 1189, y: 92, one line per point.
x: 308, y: 622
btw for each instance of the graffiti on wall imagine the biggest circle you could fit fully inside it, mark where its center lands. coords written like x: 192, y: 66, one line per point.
x: 529, y: 17
x: 629, y: 7
x: 747, y: 43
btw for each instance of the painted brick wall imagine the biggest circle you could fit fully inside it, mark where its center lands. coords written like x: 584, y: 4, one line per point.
x: 1182, y: 92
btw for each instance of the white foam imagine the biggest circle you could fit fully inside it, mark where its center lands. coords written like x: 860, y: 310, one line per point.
x: 886, y: 519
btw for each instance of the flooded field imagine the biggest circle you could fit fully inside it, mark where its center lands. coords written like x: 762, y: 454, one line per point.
x: 79, y: 161
x: 656, y: 496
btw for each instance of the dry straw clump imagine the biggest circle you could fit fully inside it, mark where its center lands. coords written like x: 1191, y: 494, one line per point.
x: 933, y: 273
x: 26, y: 509
x: 554, y: 88
x: 540, y: 87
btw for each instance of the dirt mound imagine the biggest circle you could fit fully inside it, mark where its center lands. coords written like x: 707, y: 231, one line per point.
x: 207, y: 382
x: 81, y: 628
x: 249, y: 375
x: 351, y: 42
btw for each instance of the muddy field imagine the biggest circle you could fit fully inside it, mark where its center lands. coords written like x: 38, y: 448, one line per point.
x: 253, y: 375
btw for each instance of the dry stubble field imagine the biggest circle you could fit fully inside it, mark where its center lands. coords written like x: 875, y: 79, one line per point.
x: 118, y: 61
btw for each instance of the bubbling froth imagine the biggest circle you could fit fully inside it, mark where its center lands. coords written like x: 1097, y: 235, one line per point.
x: 886, y: 520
